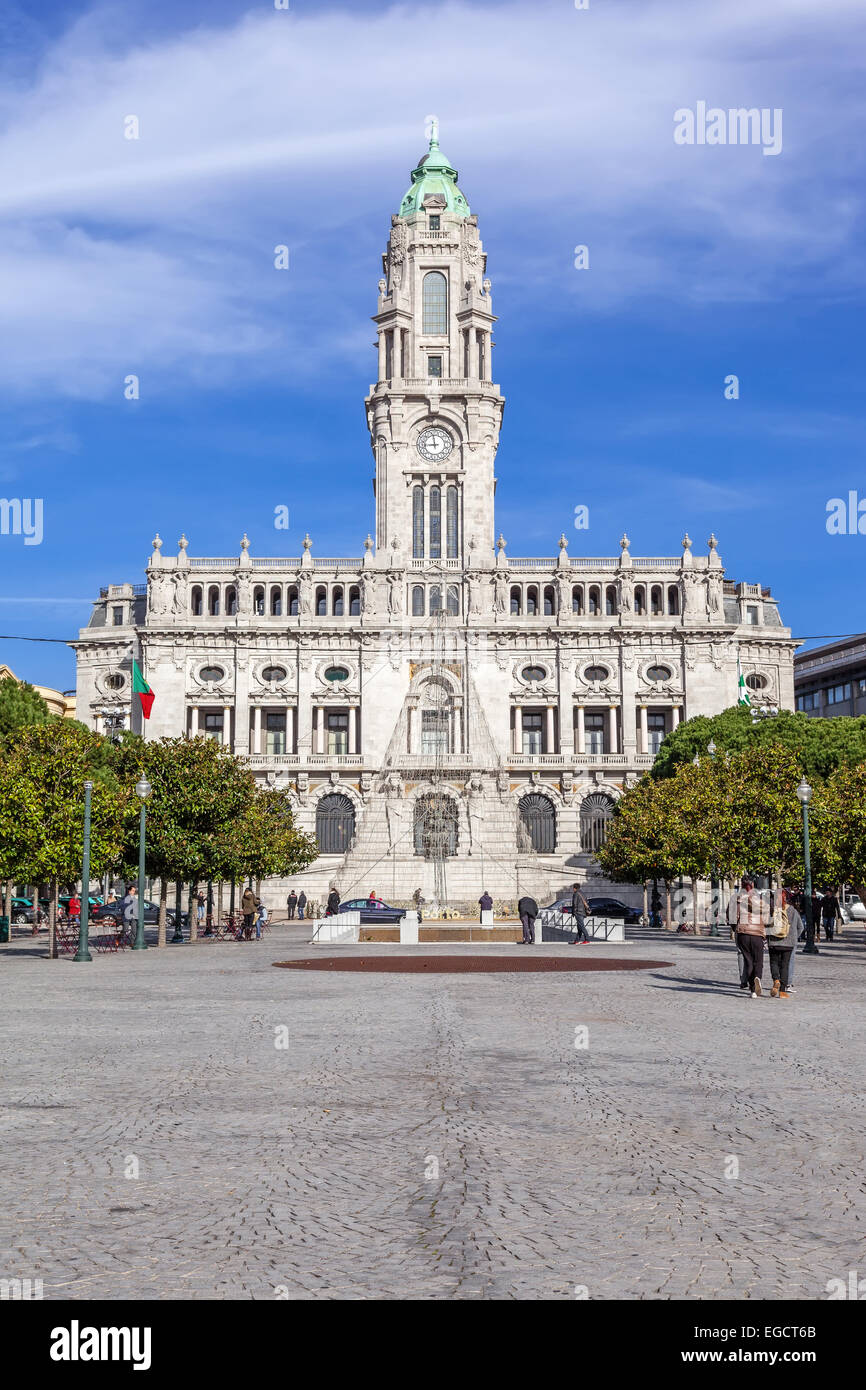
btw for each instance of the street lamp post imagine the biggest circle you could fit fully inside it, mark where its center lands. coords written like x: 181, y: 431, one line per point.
x: 714, y: 877
x: 142, y: 791
x: 804, y: 796
x: 178, y: 914
x: 83, y: 952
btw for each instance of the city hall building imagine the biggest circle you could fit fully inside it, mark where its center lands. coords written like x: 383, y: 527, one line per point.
x: 445, y: 715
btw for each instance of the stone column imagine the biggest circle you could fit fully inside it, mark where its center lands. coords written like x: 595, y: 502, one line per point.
x: 193, y: 721
x: 227, y: 726
x: 581, y: 730
x: 382, y: 354
x: 613, y: 742
x: 549, y: 731
x: 675, y: 716
x: 516, y: 729
x: 644, y: 733
x: 353, y: 720
x: 257, y: 728
x: 290, y: 728
x: 317, y: 729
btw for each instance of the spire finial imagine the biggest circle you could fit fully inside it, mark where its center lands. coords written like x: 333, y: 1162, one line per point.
x: 434, y: 132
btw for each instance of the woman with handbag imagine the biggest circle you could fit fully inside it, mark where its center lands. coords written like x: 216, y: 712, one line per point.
x: 782, y: 931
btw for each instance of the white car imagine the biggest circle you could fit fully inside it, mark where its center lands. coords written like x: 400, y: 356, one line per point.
x: 855, y: 909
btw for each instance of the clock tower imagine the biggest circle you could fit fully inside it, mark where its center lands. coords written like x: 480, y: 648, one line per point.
x: 434, y: 413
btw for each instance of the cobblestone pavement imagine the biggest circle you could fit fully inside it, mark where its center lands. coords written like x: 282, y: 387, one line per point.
x: 430, y: 1136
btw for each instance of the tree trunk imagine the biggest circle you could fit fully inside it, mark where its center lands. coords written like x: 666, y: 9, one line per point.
x: 163, y: 903
x: 7, y: 904
x: 258, y: 888
x: 695, y: 906
x: 667, y: 905
x: 219, y: 901
x: 52, y: 919
x: 645, y: 903
x: 193, y: 912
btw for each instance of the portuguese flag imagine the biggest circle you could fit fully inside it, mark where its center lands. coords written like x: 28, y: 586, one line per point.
x: 142, y: 690
x: 743, y: 696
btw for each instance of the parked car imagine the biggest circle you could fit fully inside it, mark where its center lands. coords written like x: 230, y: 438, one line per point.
x: 151, y: 914
x: 22, y: 912
x: 855, y: 907
x: 599, y: 907
x: 373, y: 910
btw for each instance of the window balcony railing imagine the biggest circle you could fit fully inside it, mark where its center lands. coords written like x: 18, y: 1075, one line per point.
x: 272, y: 760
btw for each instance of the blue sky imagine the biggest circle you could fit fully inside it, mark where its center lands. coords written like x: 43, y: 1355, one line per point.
x: 260, y: 127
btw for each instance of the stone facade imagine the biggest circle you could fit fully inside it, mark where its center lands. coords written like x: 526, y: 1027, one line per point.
x: 525, y: 692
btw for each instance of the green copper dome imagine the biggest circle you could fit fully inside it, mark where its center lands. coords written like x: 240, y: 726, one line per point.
x: 434, y: 176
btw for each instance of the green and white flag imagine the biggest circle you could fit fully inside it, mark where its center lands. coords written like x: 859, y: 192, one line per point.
x: 743, y: 696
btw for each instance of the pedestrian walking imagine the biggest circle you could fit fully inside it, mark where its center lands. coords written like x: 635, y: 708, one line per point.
x: 73, y: 910
x: 527, y: 910
x: 129, y: 910
x: 248, y: 908
x: 418, y: 900
x: 831, y: 914
x: 748, y: 913
x: 302, y: 904
x: 655, y: 908
x: 333, y: 902
x: 485, y: 902
x: 261, y: 916
x: 781, y: 948
x: 580, y: 911
x: 292, y: 904
x: 199, y: 911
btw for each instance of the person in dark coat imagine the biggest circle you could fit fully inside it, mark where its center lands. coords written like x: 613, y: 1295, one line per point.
x: 527, y: 910
x: 333, y: 903
x: 302, y: 904
x: 579, y: 911
x: 291, y: 904
x: 485, y: 902
x: 248, y: 908
x: 831, y: 914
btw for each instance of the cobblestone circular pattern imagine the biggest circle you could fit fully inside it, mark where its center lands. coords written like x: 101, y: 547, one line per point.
x: 457, y: 965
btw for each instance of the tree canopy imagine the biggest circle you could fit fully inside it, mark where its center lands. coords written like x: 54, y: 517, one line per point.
x: 21, y: 706
x: 820, y: 745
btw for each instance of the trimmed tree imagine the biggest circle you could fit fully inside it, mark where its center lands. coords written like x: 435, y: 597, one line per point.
x: 820, y: 745
x: 21, y: 706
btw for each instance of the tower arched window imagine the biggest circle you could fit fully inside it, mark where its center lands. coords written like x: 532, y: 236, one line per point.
x: 657, y: 606
x: 435, y: 523
x: 549, y: 601
x: 673, y: 600
x: 453, y: 601
x: 196, y: 601
x: 516, y: 599
x: 337, y: 601
x: 292, y: 601
x: 321, y: 602
x: 537, y: 824
x: 531, y: 601
x: 594, y: 601
x: 434, y: 303
x: 418, y: 523
x: 436, y: 599
x: 231, y: 601
x: 259, y: 601
x: 640, y: 600
x: 354, y: 602
x: 610, y: 606
x: 213, y: 601
x: 418, y: 601
x: 451, y: 523
x: 276, y: 601
x: 577, y: 599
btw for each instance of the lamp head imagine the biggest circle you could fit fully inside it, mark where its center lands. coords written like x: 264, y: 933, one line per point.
x: 804, y: 792
x: 143, y: 788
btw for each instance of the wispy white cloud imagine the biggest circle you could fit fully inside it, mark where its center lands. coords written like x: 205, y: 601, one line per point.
x: 154, y: 255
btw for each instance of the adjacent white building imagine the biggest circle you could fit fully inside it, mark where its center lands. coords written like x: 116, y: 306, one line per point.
x: 435, y: 698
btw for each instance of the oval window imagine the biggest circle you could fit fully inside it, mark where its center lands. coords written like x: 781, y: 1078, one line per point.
x: 533, y: 673
x: 211, y: 673
x: 596, y: 673
x: 659, y: 673
x: 274, y: 673
x: 756, y: 682
x: 336, y: 673
x: 115, y: 682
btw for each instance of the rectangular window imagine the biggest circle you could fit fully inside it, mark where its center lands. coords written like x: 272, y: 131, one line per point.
x: 594, y: 730
x: 213, y: 725
x: 434, y: 731
x: 434, y: 366
x: 533, y: 733
x: 655, y: 724
x: 810, y: 701
x: 751, y: 615
x: 117, y: 617
x: 337, y: 728
x: 837, y: 694
x: 435, y: 221
x: 275, y: 732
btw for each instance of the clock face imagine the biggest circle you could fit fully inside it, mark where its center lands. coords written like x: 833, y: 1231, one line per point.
x: 435, y: 444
